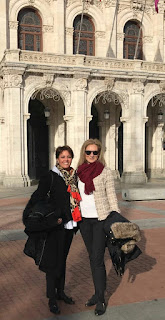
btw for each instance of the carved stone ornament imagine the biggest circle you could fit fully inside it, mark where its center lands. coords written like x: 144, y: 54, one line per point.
x: 69, y: 31
x: 31, y: 1
x: 12, y: 81
x: 2, y: 120
x: 100, y: 34
x: 13, y: 25
x: 120, y: 36
x: 162, y: 86
x: 109, y: 83
x: 48, y: 79
x: 147, y: 39
x: 138, y: 86
x: 47, y: 28
x: 81, y: 84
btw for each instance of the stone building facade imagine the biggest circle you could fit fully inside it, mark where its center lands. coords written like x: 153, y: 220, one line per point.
x: 107, y: 82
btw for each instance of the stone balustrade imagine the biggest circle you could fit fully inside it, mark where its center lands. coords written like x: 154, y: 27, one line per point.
x: 89, y: 63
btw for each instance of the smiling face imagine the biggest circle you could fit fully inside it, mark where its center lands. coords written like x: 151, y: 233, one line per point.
x: 93, y: 153
x: 65, y: 160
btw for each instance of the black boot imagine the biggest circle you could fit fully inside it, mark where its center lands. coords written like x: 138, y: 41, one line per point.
x: 62, y: 296
x: 53, y: 307
x: 100, y: 308
x: 92, y: 301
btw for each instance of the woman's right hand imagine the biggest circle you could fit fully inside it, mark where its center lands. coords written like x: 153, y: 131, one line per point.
x: 59, y: 221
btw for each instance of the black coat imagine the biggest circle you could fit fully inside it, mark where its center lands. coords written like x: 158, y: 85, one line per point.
x: 46, y: 244
x: 119, y: 258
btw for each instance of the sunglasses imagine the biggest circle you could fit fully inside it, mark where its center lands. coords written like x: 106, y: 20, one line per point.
x: 88, y: 152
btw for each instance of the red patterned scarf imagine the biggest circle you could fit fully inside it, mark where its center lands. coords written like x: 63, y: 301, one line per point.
x: 87, y: 172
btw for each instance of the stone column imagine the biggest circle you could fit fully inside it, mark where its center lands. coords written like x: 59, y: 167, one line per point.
x: 13, y: 29
x: 157, y: 168
x: 79, y: 128
x: 14, y: 152
x: 134, y: 138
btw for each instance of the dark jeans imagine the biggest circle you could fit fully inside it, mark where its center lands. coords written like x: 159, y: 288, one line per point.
x: 94, y: 238
x: 52, y: 282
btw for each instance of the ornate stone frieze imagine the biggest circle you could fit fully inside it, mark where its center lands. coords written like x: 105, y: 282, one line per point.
x: 47, y: 28
x: 69, y: 31
x: 13, y: 25
x: 12, y: 81
x: 100, y: 34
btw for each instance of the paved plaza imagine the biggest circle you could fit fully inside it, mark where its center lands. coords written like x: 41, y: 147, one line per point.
x: 138, y: 295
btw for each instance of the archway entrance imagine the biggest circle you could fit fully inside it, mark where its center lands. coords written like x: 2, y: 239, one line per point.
x: 106, y: 126
x: 37, y: 140
x: 154, y: 140
x: 93, y: 125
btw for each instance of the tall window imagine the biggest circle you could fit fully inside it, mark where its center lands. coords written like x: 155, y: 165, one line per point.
x: 131, y: 31
x: 87, y: 37
x: 29, y: 30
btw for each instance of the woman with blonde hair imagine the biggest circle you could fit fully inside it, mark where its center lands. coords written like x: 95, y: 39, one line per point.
x: 96, y: 186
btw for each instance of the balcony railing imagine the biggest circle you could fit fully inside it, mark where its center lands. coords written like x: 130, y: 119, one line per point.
x: 88, y: 63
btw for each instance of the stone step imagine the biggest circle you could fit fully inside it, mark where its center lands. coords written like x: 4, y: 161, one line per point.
x: 134, y: 194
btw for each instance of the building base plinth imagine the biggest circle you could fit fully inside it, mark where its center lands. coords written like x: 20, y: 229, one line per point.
x: 16, y: 181
x: 134, y: 177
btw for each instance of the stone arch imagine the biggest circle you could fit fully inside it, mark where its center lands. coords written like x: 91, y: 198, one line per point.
x: 43, y: 9
x: 94, y: 92
x: 94, y: 13
x: 149, y: 96
x: 125, y: 15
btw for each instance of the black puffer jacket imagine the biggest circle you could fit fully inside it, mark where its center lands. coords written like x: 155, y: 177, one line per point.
x: 45, y: 242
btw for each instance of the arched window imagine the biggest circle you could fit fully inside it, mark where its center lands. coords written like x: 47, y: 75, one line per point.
x: 131, y: 31
x: 87, y: 37
x: 29, y: 30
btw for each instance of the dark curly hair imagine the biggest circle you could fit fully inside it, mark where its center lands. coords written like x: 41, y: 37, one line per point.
x: 59, y: 150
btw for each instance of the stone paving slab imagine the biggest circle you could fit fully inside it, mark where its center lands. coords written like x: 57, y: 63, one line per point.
x: 149, y: 310
x: 138, y: 295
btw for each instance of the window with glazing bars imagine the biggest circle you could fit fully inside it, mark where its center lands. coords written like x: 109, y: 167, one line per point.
x: 131, y: 32
x: 29, y: 30
x: 87, y: 36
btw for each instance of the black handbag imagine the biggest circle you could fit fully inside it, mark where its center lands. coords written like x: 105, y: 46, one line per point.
x: 41, y: 216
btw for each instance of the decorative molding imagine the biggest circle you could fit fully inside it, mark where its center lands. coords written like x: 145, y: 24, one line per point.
x: 81, y: 84
x: 120, y: 36
x: 48, y: 79
x: 162, y: 86
x: 69, y: 31
x: 147, y: 39
x: 100, y: 34
x: 2, y: 120
x: 109, y: 83
x: 13, y: 25
x: 68, y: 117
x: 12, y: 81
x: 31, y: 1
x: 138, y: 86
x: 48, y: 29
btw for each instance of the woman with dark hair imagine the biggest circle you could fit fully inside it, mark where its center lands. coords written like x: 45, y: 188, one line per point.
x: 61, y: 184
x: 96, y: 186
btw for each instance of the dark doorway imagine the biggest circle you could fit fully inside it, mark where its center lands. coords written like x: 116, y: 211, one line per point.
x: 120, y: 149
x: 93, y: 124
x: 37, y: 140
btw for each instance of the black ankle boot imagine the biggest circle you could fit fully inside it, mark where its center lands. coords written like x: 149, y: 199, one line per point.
x: 53, y: 307
x: 62, y: 296
x: 100, y: 308
x: 92, y: 301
